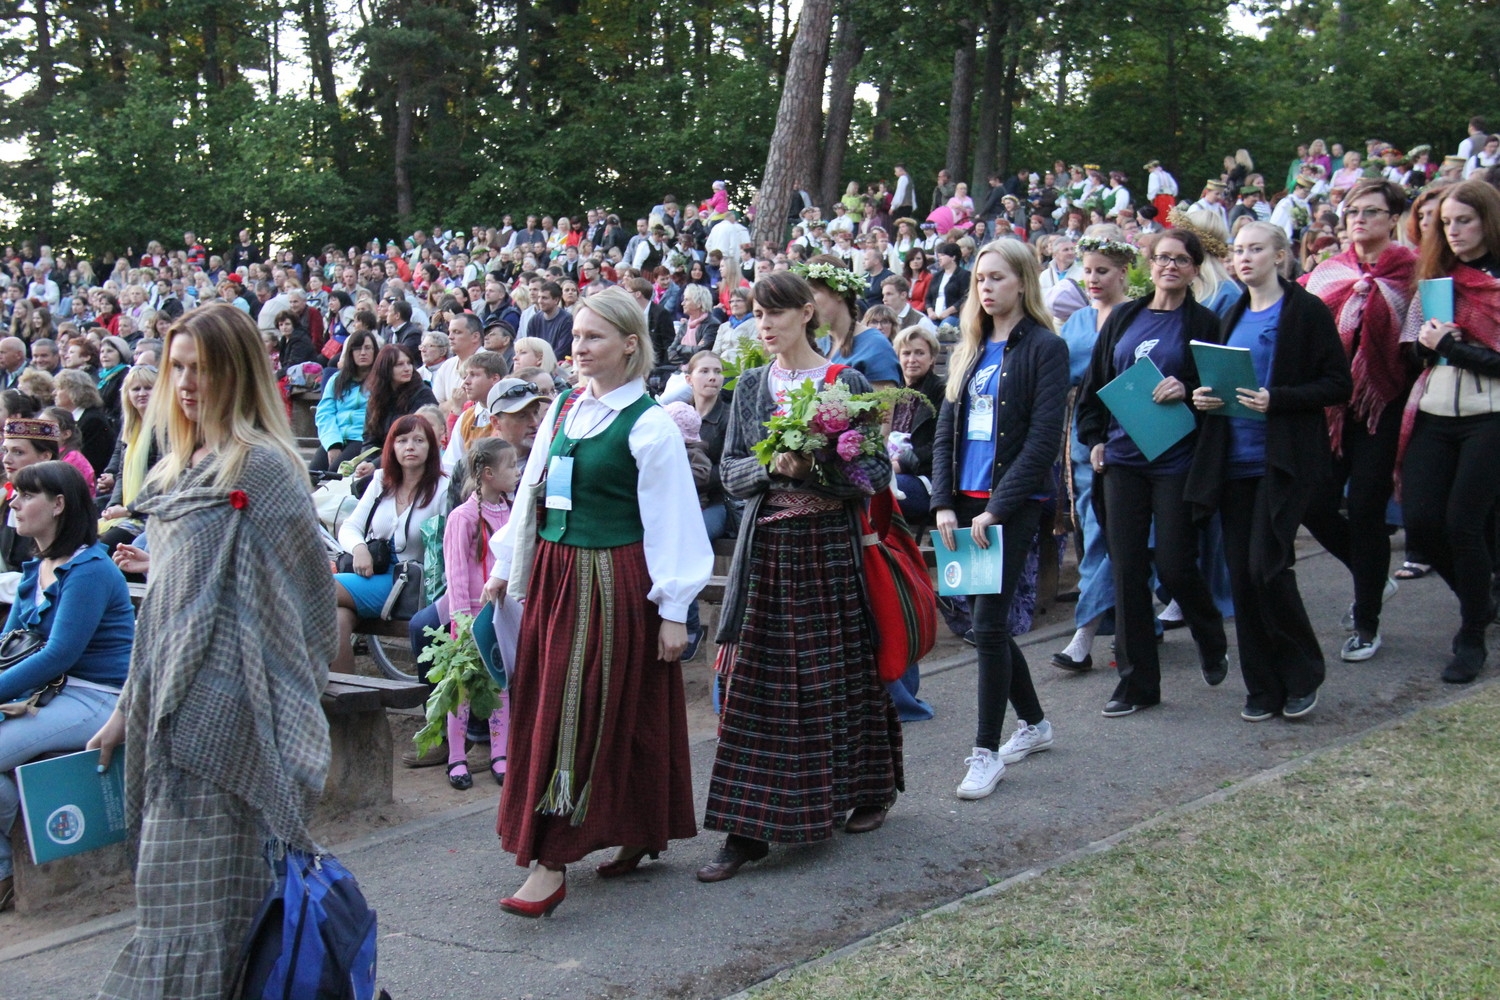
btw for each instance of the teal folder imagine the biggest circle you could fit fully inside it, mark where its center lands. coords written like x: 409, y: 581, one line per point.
x: 1153, y: 426
x: 69, y: 807
x: 968, y: 569
x: 1227, y: 370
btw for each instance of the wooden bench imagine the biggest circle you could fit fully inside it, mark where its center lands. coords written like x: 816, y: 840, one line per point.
x: 359, y: 772
x: 377, y: 628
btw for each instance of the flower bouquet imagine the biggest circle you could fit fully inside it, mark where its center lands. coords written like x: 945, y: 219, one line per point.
x: 833, y: 427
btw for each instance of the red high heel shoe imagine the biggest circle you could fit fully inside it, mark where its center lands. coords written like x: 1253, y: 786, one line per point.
x: 539, y: 908
x: 624, y: 866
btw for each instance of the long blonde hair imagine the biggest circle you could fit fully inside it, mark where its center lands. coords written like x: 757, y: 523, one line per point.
x: 239, y: 406
x: 1213, y: 273
x: 974, y: 323
x: 140, y: 375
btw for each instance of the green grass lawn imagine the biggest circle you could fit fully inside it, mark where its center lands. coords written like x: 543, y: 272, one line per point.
x: 1374, y: 872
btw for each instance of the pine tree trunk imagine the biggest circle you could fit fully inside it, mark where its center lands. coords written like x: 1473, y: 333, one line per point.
x: 960, y: 107
x: 801, y: 102
x: 405, y: 115
x: 995, y: 47
x: 848, y: 49
x: 1008, y: 94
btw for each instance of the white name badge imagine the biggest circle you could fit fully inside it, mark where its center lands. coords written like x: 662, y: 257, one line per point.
x: 560, y: 483
x: 981, y: 424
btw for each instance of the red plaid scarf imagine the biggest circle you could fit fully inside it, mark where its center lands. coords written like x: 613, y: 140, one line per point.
x: 1346, y: 287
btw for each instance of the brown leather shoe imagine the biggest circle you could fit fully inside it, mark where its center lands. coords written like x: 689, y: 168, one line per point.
x: 735, y: 852
x: 864, y: 819
x: 432, y: 758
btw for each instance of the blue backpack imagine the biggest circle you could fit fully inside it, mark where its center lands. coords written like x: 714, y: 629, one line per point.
x: 314, y: 937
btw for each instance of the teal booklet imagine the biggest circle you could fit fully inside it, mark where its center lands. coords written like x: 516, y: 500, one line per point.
x: 69, y: 807
x: 1153, y: 426
x: 968, y: 569
x: 1437, y: 302
x: 1226, y: 370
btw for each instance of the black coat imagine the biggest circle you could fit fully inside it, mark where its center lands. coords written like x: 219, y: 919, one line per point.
x: 958, y: 288
x: 659, y: 325
x: 1309, y: 372
x: 96, y: 435
x: 1029, y: 404
x: 1092, y: 415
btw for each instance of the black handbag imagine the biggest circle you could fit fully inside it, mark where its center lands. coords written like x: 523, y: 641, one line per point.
x: 15, y: 646
x: 405, y: 598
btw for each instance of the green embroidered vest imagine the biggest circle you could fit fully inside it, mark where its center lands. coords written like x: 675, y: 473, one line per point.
x: 606, y: 509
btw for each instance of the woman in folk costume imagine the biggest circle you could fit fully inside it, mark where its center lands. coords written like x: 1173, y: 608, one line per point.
x: 598, y: 747
x: 808, y: 733
x: 228, y: 743
x: 1368, y: 289
x: 1450, y: 433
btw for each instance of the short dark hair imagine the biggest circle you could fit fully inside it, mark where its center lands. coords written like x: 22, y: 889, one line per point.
x: 18, y: 404
x: 1394, y: 197
x: 402, y: 308
x: 78, y: 527
x: 552, y: 288
x: 1189, y: 240
x: 897, y: 282
x: 468, y: 321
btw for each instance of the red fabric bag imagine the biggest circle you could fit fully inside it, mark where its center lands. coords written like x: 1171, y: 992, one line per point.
x: 902, y: 601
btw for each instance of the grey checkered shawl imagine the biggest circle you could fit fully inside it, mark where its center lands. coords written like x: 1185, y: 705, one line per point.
x: 232, y: 645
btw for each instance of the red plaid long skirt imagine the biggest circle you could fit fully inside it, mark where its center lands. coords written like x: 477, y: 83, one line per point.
x: 641, y: 789
x: 808, y: 732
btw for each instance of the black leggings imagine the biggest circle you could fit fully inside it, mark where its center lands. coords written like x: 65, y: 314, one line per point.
x: 1450, y: 481
x: 1360, y: 540
x: 1003, y: 674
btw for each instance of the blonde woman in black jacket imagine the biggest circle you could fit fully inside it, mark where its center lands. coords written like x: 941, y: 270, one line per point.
x: 998, y: 434
x: 1260, y: 475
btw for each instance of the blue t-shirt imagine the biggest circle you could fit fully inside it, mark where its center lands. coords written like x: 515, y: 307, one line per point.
x: 871, y: 355
x: 1247, y: 438
x: 1159, y: 335
x: 976, y: 457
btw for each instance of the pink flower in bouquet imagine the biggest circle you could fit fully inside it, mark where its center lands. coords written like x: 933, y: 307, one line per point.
x: 850, y: 443
x: 830, y: 418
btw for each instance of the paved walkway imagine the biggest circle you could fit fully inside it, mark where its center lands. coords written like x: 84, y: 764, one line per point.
x: 660, y: 933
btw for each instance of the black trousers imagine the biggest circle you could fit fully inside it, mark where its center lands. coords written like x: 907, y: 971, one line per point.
x: 1360, y: 539
x: 1279, y: 653
x: 1450, y: 481
x: 1003, y: 673
x: 1134, y: 500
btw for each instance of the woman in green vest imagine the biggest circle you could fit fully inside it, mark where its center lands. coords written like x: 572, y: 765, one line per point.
x: 610, y: 546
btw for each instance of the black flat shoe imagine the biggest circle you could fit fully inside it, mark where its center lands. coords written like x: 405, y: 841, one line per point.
x: 1467, y: 662
x: 499, y: 776
x: 734, y: 854
x: 1215, y: 669
x: 1065, y: 662
x: 865, y: 819
x: 462, y: 782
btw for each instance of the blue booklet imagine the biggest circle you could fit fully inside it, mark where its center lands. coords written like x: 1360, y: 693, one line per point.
x: 69, y: 807
x: 1226, y: 370
x: 1153, y: 426
x: 968, y: 569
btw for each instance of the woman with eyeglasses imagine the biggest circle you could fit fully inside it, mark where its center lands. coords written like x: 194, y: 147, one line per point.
x: 1450, y: 476
x: 1261, y: 474
x: 1138, y: 493
x: 1369, y: 289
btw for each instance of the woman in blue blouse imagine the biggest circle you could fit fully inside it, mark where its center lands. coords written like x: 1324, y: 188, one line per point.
x: 836, y: 291
x: 77, y: 599
x: 1141, y: 493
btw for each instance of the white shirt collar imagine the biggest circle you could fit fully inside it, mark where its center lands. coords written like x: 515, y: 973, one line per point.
x: 619, y: 399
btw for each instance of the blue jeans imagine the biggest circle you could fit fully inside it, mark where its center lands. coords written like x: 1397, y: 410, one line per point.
x: 714, y: 519
x: 425, y: 619
x: 67, y: 723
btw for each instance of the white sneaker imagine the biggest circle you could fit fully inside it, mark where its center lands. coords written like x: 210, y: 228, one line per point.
x: 1026, y: 740
x: 1357, y: 650
x: 985, y: 771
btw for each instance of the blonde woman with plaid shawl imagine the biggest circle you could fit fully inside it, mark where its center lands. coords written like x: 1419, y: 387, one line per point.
x: 228, y: 744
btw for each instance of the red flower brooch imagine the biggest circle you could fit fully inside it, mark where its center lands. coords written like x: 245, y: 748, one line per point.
x: 238, y: 500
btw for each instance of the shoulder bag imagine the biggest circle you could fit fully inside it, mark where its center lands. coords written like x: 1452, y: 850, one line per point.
x: 902, y: 601
x: 15, y: 646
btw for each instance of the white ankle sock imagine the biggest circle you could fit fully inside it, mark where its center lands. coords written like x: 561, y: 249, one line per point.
x: 1083, y: 642
x: 1171, y: 613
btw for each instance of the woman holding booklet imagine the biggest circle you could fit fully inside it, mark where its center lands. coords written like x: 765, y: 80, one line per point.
x: 1138, y: 491
x: 1450, y: 434
x: 997, y: 437
x: 1260, y: 473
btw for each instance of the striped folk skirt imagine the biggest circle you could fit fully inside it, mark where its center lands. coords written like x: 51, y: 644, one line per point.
x: 598, y: 748
x: 808, y: 731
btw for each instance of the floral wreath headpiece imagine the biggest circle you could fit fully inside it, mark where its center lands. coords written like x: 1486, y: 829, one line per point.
x: 1110, y: 248
x: 1211, y: 243
x: 841, y: 280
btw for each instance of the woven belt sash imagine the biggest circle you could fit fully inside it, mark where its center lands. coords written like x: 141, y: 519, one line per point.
x: 793, y: 503
x: 558, y: 800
